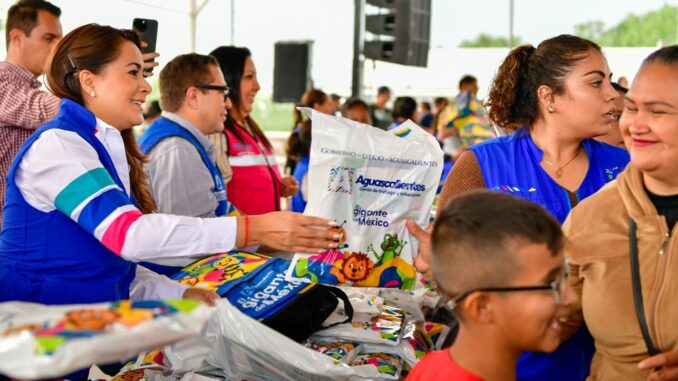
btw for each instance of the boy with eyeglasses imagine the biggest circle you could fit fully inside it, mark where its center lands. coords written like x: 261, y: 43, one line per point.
x: 499, y: 260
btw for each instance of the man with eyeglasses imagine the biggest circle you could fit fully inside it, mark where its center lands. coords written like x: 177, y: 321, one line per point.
x: 183, y: 176
x: 499, y: 260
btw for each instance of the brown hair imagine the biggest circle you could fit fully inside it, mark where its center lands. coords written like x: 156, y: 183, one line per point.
x: 512, y: 99
x: 299, y: 143
x: 476, y: 235
x: 181, y: 73
x: 23, y: 15
x: 309, y: 99
x: 232, y: 62
x: 92, y: 47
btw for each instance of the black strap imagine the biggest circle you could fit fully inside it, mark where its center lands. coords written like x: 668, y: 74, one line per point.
x: 348, y: 307
x: 637, y: 291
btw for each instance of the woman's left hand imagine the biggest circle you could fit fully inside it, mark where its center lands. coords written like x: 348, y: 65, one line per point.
x: 290, y: 186
x: 666, y: 363
x: 201, y: 295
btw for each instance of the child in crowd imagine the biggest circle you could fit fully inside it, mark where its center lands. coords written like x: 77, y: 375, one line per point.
x: 499, y: 260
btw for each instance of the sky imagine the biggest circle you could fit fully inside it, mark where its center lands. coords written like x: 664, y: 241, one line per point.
x: 259, y: 24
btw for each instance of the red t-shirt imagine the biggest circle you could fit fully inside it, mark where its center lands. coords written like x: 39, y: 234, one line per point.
x: 439, y: 366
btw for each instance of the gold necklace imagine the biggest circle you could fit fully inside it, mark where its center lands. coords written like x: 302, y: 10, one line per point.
x: 559, y: 169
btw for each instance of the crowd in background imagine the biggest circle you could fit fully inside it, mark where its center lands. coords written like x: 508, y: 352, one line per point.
x: 556, y: 142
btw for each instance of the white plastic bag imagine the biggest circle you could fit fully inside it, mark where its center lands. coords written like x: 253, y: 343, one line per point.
x: 245, y: 349
x: 38, y: 341
x: 370, y: 181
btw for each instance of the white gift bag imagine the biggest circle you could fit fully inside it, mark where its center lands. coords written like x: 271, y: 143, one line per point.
x: 370, y: 181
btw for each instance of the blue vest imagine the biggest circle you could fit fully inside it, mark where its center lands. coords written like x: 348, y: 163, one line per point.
x: 510, y: 164
x: 298, y: 202
x: 163, y: 128
x: 48, y: 258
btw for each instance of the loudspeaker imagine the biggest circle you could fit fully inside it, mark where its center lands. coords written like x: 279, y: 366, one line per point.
x: 407, y: 24
x: 292, y: 70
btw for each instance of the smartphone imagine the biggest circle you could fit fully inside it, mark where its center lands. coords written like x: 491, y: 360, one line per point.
x: 148, y: 32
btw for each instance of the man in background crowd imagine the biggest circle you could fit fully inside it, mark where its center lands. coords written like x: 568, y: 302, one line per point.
x: 31, y: 31
x: 380, y: 115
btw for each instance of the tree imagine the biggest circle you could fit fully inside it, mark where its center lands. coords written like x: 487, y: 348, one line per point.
x: 591, y: 30
x: 649, y: 29
x: 487, y: 41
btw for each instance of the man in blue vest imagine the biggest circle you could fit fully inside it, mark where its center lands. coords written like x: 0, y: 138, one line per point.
x: 184, y: 178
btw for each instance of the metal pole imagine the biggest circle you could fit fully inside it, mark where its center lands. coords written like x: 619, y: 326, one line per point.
x: 510, y: 24
x: 195, y: 11
x: 232, y: 22
x: 193, y: 16
x: 358, y: 39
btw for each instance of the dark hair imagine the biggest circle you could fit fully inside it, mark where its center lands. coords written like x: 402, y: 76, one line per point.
x: 383, y: 90
x: 667, y: 55
x: 512, y: 99
x: 426, y: 106
x: 467, y: 80
x: 153, y: 110
x: 335, y: 97
x: 232, y: 62
x: 441, y: 101
x: 309, y: 99
x: 23, y: 15
x: 476, y: 234
x: 354, y: 102
x: 93, y: 47
x: 181, y: 73
x: 299, y: 143
x: 404, y: 107
x: 620, y: 88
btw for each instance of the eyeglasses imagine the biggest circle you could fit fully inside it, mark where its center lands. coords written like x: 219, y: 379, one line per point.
x: 557, y: 287
x: 225, y: 89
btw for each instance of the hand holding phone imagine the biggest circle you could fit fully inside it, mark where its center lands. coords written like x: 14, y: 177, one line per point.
x: 148, y: 32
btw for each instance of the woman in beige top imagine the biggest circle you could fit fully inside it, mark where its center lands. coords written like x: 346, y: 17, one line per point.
x: 636, y: 213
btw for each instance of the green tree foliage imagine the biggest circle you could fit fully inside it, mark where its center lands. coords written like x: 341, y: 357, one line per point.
x: 591, y: 30
x: 635, y: 30
x: 487, y: 41
x: 272, y: 116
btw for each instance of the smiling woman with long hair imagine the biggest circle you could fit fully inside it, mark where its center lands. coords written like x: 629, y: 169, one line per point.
x: 244, y: 154
x: 78, y: 213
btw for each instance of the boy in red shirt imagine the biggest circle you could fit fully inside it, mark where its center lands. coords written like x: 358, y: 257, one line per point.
x: 499, y: 260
